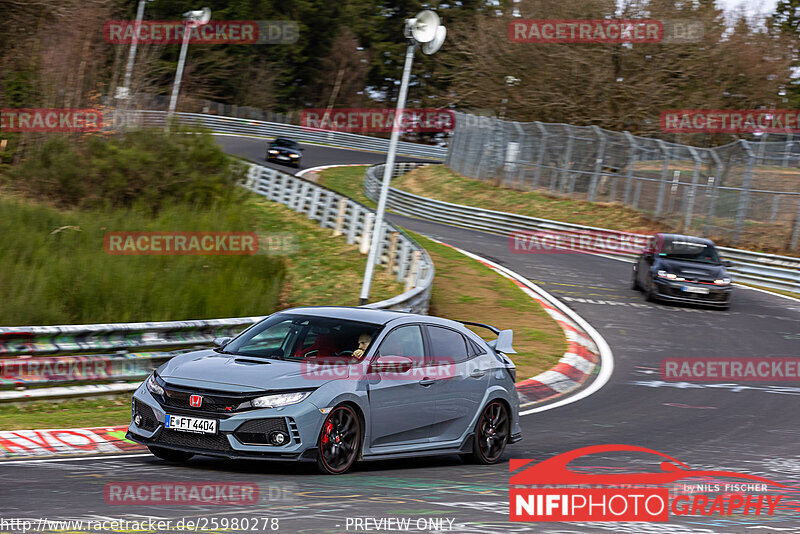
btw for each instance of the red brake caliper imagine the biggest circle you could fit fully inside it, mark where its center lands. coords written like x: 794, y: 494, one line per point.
x: 328, y: 428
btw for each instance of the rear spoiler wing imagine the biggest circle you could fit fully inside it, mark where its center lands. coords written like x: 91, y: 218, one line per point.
x: 504, y: 341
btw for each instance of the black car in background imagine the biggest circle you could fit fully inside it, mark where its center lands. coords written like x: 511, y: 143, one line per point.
x: 285, y: 151
x: 682, y: 268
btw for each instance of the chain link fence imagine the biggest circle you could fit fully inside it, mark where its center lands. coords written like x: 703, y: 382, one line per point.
x: 743, y: 193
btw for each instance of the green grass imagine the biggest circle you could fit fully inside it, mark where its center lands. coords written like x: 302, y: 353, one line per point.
x: 347, y: 181
x: 71, y: 413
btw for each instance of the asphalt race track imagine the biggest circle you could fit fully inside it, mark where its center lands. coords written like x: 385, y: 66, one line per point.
x: 752, y: 427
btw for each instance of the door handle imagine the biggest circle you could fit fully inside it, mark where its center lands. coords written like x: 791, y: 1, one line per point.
x: 477, y: 373
x: 426, y: 381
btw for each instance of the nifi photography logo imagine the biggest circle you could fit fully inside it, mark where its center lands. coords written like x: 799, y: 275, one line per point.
x: 540, y: 492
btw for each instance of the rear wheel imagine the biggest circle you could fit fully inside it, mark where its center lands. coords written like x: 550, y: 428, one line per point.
x: 339, y: 441
x: 169, y: 454
x: 491, y: 434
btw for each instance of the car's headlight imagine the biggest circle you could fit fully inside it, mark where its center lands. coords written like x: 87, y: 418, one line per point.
x: 294, y: 155
x: 670, y: 276
x: 152, y: 385
x: 280, y: 399
x: 273, y: 151
x: 722, y: 281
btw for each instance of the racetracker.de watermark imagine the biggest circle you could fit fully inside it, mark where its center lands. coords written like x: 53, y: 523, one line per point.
x: 728, y: 369
x: 605, y: 31
x: 575, y: 242
x: 198, y: 243
x: 352, y: 120
x: 50, y: 120
x: 180, y: 493
x: 215, y: 32
x: 733, y: 121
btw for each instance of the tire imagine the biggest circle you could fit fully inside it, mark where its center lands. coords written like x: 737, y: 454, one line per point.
x: 649, y: 293
x: 170, y: 455
x: 635, y: 282
x: 491, y: 434
x: 339, y: 441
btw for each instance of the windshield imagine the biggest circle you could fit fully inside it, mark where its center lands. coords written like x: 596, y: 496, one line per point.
x: 286, y: 143
x: 690, y: 251
x: 302, y: 337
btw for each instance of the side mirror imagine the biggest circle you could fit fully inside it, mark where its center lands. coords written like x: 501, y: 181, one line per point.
x: 727, y: 263
x: 391, y: 364
x: 648, y: 256
x: 220, y: 342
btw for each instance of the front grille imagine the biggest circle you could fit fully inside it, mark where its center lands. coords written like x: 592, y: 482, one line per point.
x: 712, y: 296
x: 216, y: 402
x: 149, y: 421
x: 256, y: 431
x: 209, y: 442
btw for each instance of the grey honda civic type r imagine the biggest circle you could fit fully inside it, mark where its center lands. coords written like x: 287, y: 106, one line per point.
x: 335, y: 385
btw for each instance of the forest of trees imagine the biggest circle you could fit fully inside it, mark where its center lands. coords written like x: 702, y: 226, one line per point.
x: 53, y: 54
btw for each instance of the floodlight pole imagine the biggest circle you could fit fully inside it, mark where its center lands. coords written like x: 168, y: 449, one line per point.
x: 126, y: 86
x: 176, y: 87
x: 387, y: 176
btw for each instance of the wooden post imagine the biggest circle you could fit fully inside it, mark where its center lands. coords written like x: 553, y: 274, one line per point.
x: 366, y: 234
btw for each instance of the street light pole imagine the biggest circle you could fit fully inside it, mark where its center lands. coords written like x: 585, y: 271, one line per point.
x: 193, y: 19
x: 124, y: 91
x: 424, y: 29
x: 387, y: 176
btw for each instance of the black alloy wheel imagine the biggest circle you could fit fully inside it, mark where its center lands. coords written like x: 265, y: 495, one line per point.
x: 339, y: 441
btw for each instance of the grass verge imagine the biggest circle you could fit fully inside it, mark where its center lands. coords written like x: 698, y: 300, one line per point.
x: 69, y: 413
x: 465, y: 289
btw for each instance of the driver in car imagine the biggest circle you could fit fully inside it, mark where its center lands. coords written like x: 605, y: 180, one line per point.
x: 363, y: 343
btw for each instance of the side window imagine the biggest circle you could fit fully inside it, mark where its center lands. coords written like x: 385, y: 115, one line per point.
x: 447, y: 346
x: 404, y: 341
x: 474, y: 348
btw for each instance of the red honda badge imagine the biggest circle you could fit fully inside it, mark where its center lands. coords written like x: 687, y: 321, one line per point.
x: 195, y: 401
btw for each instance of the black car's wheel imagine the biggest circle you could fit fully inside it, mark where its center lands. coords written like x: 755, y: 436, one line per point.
x: 635, y: 281
x: 169, y: 454
x: 339, y: 441
x: 491, y: 434
x: 650, y: 291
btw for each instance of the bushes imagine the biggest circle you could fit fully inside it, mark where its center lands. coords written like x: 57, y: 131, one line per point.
x: 146, y: 168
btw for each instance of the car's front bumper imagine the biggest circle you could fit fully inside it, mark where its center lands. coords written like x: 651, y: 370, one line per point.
x: 673, y: 291
x: 301, y: 422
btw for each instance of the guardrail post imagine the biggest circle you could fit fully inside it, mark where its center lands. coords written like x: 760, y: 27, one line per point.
x: 598, y: 162
x: 566, y: 163
x: 664, y: 171
x: 787, y: 148
x: 312, y: 209
x: 354, y: 221
x: 327, y: 208
x: 403, y: 260
x: 392, y: 252
x: 337, y: 229
x: 687, y: 221
x: 411, y: 278
x: 540, y: 156
x: 796, y: 230
x: 631, y: 161
x: 366, y: 233
x: 712, y: 202
x: 744, y: 194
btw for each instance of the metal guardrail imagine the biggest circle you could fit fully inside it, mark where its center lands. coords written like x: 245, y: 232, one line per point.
x: 233, y: 125
x: 764, y: 270
x: 74, y: 354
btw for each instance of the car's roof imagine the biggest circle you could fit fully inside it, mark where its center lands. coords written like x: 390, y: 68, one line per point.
x: 285, y: 139
x: 687, y: 238
x: 368, y: 315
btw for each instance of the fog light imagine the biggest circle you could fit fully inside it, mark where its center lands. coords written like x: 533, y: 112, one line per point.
x: 137, y: 419
x: 278, y: 438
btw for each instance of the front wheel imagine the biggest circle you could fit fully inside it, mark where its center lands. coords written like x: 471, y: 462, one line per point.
x: 169, y: 454
x: 491, y: 434
x: 650, y: 291
x: 635, y: 281
x: 339, y: 441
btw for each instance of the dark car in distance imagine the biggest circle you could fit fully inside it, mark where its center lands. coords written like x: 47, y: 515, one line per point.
x: 285, y: 151
x: 682, y: 268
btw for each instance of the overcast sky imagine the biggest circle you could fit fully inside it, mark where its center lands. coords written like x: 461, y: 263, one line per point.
x: 753, y: 7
